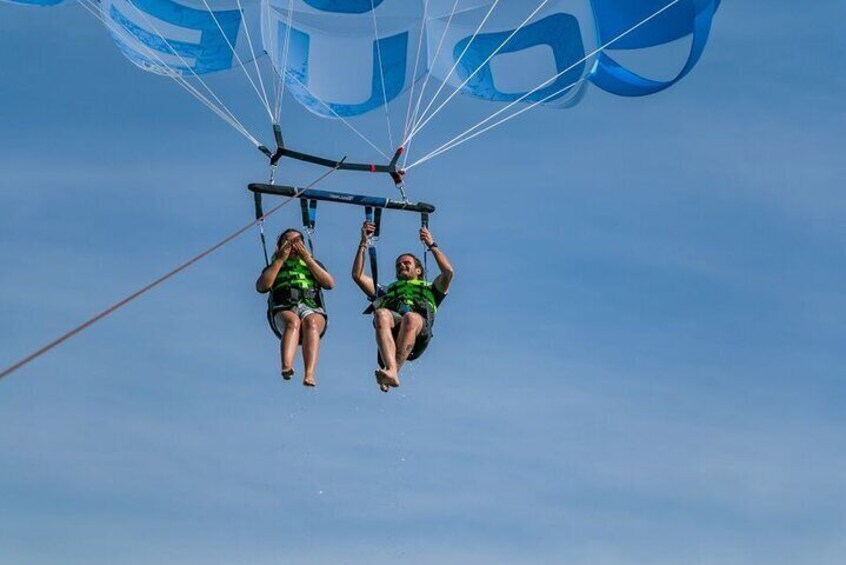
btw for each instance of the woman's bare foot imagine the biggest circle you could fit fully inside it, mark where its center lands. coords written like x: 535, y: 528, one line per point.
x: 308, y: 380
x: 385, y: 377
x: 287, y: 373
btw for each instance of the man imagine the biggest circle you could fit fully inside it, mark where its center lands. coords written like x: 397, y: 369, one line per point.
x: 404, y: 312
x: 295, y: 278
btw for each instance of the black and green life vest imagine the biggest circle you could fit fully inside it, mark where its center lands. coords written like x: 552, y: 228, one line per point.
x: 295, y: 284
x: 415, y: 295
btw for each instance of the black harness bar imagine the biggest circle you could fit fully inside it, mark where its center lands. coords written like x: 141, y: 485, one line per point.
x: 282, y: 151
x: 342, y: 197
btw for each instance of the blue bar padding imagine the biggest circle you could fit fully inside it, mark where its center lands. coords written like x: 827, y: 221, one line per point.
x: 369, y: 202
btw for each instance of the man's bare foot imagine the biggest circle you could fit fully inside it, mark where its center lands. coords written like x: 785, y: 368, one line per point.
x: 385, y: 377
x: 287, y: 373
x: 382, y: 385
x: 308, y: 380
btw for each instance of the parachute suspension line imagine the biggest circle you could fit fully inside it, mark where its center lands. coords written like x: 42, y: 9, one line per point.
x: 219, y: 108
x: 405, y: 141
x: 117, y: 306
x: 181, y: 59
x: 277, y: 76
x: 459, y: 140
x: 221, y: 111
x: 280, y: 86
x: 344, y: 120
x: 255, y: 59
x: 416, y: 67
x: 478, y: 69
x: 465, y: 136
x: 454, y: 66
x: 262, y: 95
x: 382, y: 72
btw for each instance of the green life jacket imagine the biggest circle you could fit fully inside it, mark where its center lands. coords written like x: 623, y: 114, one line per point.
x: 415, y: 295
x: 295, y: 284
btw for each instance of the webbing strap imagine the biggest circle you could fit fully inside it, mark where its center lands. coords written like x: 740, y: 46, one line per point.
x: 424, y: 223
x: 312, y: 212
x: 377, y: 219
x: 259, y: 215
x: 374, y: 216
x: 312, y: 218
x: 308, y: 210
x: 305, y: 215
x: 374, y: 267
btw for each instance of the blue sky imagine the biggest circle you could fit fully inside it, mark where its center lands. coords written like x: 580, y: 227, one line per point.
x: 641, y: 359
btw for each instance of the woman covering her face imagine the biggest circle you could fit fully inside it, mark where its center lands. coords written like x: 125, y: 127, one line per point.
x: 296, y: 280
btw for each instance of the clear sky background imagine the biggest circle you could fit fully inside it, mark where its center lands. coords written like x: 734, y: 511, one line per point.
x: 641, y: 359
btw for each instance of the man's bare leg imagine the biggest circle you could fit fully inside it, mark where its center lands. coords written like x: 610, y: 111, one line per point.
x: 288, y: 344
x: 410, y: 327
x: 312, y: 327
x: 383, y: 321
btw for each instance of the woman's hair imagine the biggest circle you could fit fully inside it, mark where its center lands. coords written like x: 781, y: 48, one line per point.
x: 287, y: 231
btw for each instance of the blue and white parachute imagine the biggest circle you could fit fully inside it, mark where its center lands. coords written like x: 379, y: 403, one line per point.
x: 185, y: 38
x: 344, y: 58
x: 333, y: 60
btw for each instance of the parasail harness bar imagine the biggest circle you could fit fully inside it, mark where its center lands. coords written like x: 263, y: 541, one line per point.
x: 391, y: 168
x: 342, y: 198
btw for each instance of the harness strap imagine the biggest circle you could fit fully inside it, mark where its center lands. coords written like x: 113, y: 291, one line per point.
x: 293, y: 293
x: 259, y: 215
x: 374, y: 216
x: 312, y: 218
x: 424, y: 223
x: 377, y: 215
x: 305, y: 215
x: 308, y: 210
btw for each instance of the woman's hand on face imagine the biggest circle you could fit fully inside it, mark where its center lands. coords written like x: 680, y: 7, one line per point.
x: 301, y: 250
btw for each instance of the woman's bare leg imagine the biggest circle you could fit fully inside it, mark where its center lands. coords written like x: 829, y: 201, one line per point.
x: 312, y: 327
x: 288, y: 343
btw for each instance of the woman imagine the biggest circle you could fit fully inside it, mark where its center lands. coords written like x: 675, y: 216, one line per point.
x: 295, y: 279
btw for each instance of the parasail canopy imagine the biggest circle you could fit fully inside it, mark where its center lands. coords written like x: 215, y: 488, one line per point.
x: 345, y: 58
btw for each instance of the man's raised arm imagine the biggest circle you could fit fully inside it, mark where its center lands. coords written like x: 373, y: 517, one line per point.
x: 364, y: 282
x: 444, y: 279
